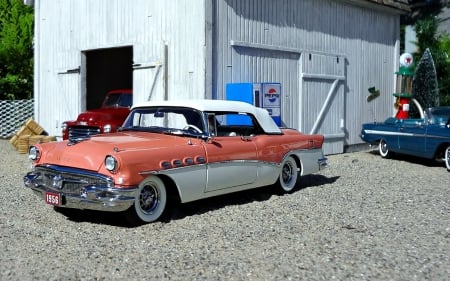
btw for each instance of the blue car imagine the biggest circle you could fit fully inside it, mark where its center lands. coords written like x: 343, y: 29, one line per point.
x: 427, y: 137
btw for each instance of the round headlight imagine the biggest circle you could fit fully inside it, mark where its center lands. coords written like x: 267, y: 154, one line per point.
x: 107, y: 128
x: 33, y: 153
x: 111, y: 163
x: 64, y: 126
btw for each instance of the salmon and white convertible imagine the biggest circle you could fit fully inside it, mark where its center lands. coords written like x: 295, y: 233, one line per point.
x: 171, y: 151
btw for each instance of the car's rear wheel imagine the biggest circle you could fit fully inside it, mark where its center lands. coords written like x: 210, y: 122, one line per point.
x: 447, y: 158
x: 288, y: 175
x: 150, y: 202
x: 383, y: 149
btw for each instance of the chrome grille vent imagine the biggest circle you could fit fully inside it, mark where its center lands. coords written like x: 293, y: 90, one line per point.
x: 82, y: 132
x: 70, y: 181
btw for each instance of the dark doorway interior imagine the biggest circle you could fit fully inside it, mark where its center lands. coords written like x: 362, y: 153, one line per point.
x: 107, y: 69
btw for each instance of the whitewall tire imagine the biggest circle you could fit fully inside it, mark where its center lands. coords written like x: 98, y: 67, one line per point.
x: 383, y: 149
x: 288, y: 175
x: 150, y: 202
x: 447, y: 158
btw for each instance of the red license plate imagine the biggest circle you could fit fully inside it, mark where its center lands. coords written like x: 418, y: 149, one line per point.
x: 53, y: 198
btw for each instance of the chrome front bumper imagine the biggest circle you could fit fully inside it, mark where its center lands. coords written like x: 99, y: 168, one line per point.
x: 80, y: 189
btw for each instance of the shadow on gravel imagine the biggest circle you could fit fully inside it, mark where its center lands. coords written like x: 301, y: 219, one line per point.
x: 412, y: 159
x: 97, y: 217
x: 244, y: 197
x: 180, y: 211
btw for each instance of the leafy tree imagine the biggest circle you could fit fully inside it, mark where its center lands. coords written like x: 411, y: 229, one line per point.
x: 423, y: 17
x: 16, y: 50
x: 438, y: 45
x: 419, y: 10
x: 444, y: 81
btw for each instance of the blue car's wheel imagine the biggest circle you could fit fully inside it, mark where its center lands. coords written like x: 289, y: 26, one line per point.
x: 447, y: 158
x: 383, y: 149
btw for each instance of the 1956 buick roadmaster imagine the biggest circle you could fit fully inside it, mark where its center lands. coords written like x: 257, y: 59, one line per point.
x: 172, y: 151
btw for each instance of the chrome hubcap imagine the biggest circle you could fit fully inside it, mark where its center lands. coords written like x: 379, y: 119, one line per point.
x: 287, y: 173
x: 447, y: 156
x: 148, y: 199
x: 384, y: 147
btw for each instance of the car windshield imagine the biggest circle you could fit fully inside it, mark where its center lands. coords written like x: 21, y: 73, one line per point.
x: 439, y: 115
x: 172, y: 120
x: 118, y: 100
x: 443, y: 112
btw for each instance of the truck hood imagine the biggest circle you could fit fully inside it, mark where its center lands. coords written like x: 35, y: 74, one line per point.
x: 103, y: 114
x: 90, y: 154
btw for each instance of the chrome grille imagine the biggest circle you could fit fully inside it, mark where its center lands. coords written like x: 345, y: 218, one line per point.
x: 82, y: 132
x: 69, y: 180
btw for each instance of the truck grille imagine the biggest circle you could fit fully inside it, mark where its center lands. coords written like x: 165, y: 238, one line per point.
x: 70, y: 181
x: 82, y: 132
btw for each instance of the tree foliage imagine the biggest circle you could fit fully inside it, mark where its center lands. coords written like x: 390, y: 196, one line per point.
x: 438, y: 45
x: 16, y: 50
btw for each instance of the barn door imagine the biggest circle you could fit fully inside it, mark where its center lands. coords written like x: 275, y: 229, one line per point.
x: 322, y: 86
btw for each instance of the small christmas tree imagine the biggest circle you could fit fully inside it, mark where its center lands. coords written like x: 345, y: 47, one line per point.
x: 425, y: 85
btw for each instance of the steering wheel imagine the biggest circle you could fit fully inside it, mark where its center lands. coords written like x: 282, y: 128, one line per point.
x: 192, y: 127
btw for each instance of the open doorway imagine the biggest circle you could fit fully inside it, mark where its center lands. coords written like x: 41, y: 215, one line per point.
x: 105, y: 70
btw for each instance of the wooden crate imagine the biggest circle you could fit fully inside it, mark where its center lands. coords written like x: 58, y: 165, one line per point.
x: 35, y: 139
x: 34, y: 127
x: 29, y: 134
x: 48, y: 138
x: 23, y: 144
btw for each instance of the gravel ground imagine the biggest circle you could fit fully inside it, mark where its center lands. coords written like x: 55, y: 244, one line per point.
x: 363, y: 218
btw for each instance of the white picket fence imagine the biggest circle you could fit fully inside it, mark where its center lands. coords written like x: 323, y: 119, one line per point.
x: 13, y: 115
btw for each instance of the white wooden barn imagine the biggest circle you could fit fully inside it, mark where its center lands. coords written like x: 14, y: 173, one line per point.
x: 323, y: 55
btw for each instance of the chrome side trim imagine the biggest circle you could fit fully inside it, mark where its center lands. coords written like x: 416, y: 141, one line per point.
x: 389, y: 133
x: 165, y: 171
x: 437, y: 137
x: 234, y: 161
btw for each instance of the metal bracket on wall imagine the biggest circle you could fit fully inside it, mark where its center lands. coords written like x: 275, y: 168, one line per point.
x: 147, y: 65
x: 71, y: 71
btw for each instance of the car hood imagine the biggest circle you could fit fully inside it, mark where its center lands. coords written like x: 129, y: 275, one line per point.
x: 90, y: 154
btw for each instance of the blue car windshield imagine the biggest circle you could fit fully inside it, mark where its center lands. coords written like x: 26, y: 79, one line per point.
x: 441, y: 112
x: 439, y: 115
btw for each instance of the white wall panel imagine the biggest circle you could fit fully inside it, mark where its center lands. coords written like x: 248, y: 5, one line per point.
x: 69, y: 27
x: 366, y: 40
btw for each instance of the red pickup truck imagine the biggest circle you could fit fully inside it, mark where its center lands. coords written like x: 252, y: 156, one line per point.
x: 106, y: 119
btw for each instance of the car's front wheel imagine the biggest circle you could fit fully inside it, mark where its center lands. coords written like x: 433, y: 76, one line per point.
x: 447, y: 158
x: 383, y: 149
x: 288, y: 175
x: 150, y: 202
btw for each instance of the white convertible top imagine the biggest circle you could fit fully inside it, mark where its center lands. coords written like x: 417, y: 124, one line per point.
x: 263, y: 117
